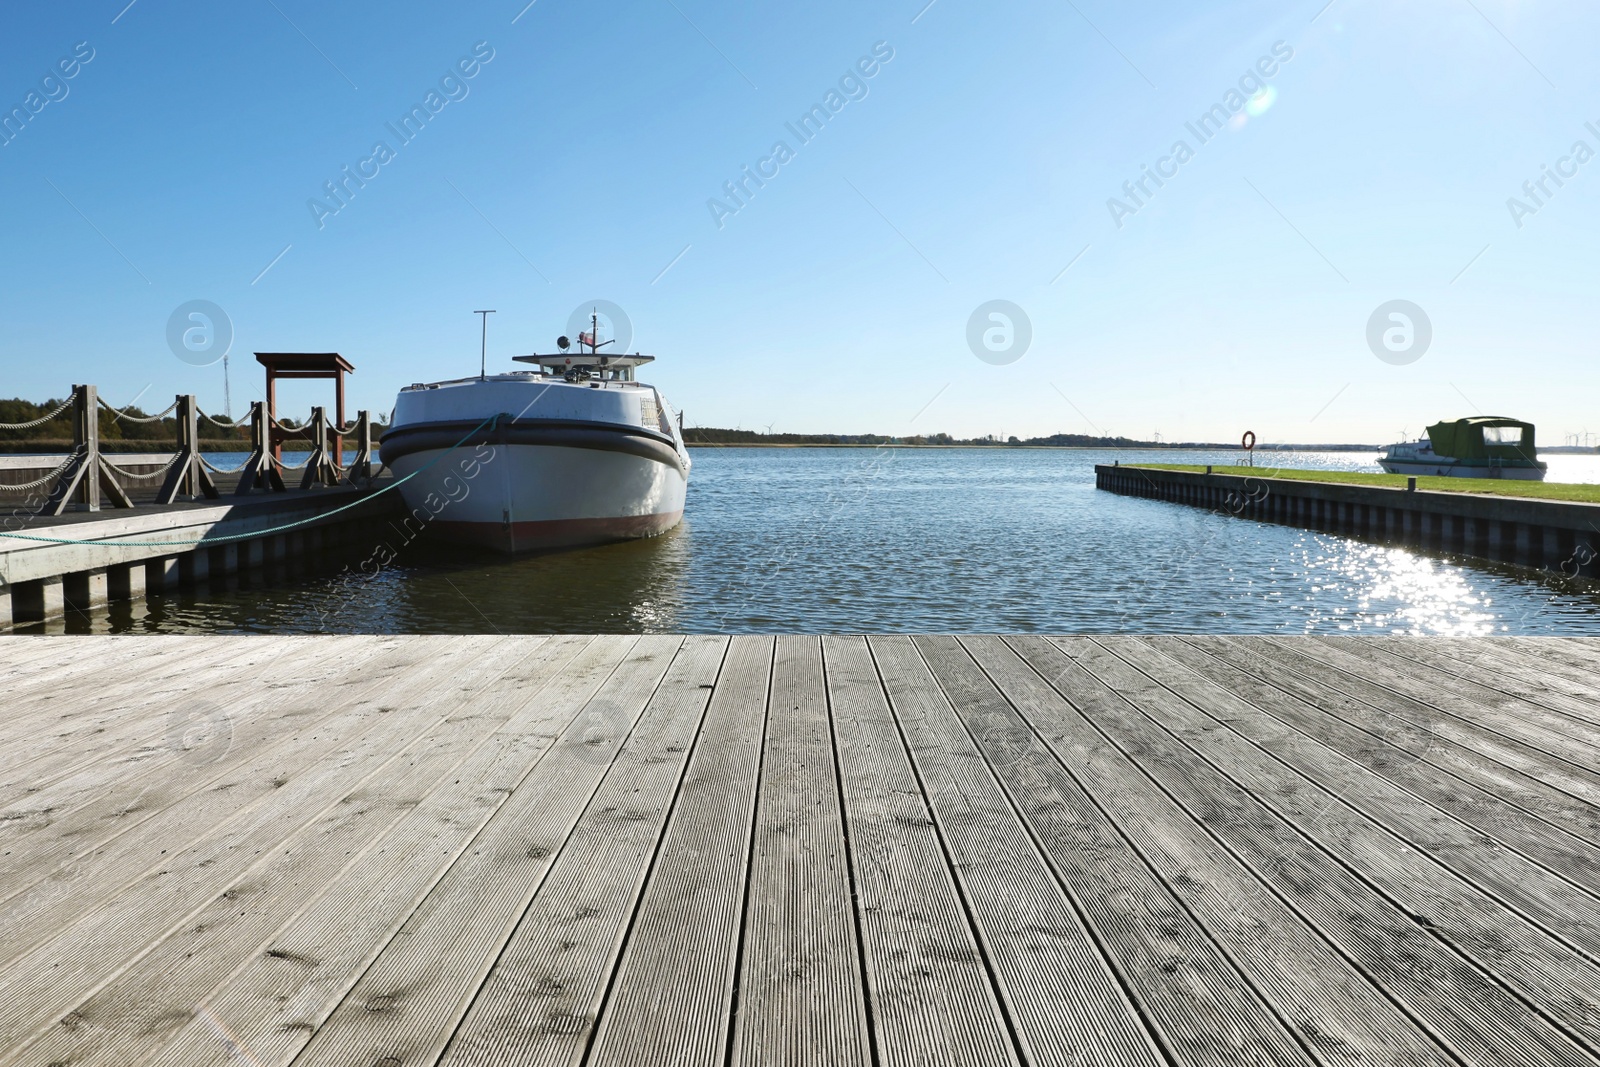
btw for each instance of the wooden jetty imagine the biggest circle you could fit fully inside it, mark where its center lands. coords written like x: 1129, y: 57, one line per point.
x: 387, y: 852
x: 1544, y: 534
x: 83, y: 529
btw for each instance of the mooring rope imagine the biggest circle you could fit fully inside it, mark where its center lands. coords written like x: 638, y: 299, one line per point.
x: 65, y: 404
x: 489, y: 423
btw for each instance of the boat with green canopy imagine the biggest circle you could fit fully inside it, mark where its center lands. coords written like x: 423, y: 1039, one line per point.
x: 1485, y: 446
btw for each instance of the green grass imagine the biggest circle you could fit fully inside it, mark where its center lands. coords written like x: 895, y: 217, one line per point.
x: 1587, y: 494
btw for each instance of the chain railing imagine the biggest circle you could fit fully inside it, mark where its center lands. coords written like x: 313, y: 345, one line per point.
x: 87, y: 479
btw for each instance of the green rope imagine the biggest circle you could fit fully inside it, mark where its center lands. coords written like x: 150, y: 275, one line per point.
x: 489, y: 422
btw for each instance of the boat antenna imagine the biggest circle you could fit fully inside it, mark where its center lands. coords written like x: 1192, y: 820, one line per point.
x: 483, y: 351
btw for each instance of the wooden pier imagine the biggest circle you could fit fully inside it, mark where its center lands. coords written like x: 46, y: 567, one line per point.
x: 1552, y: 535
x: 387, y: 852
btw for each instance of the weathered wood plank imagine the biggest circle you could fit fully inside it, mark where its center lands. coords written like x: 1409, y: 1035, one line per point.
x: 453, y: 780
x: 405, y: 950
x: 1519, y: 813
x: 1434, y: 753
x: 676, y: 975
x: 240, y: 720
x: 31, y: 666
x: 1531, y: 931
x: 1193, y: 995
x: 1399, y: 714
x: 800, y: 985
x: 1332, y: 1006
x: 143, y: 891
x: 932, y: 998
x: 539, y: 1004
x: 1198, y: 851
x: 1502, y: 668
x: 1062, y: 997
x: 113, y: 716
x: 1475, y: 1015
x: 1544, y: 729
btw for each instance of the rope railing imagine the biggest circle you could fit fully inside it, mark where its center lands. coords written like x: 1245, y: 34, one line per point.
x: 150, y: 477
x: 47, y: 479
x: 86, y: 476
x: 489, y: 423
x: 123, y: 416
x: 229, y: 424
x: 56, y: 414
x: 214, y: 469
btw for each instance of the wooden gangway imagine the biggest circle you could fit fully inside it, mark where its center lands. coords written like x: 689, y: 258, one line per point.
x: 386, y: 852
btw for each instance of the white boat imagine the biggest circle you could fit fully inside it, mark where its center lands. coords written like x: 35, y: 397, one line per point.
x: 1482, y: 447
x: 576, y: 452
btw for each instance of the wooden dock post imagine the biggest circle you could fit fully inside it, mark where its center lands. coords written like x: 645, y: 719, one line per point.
x: 261, y: 469
x: 89, y: 475
x: 188, y: 476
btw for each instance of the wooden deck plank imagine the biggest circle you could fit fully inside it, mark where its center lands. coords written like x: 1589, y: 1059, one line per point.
x: 144, y: 890
x: 1441, y: 988
x: 1332, y: 1006
x: 406, y: 818
x: 1433, y: 753
x: 1578, y: 657
x: 1401, y: 716
x: 1063, y: 999
x: 83, y: 811
x: 800, y: 990
x: 406, y: 949
x: 1527, y: 818
x: 676, y: 974
x: 1544, y: 729
x: 30, y: 667
x: 1544, y: 657
x: 110, y: 718
x: 539, y: 1003
x: 56, y: 889
x: 1177, y: 851
x: 1487, y: 902
x: 1503, y: 670
x: 1190, y: 991
x: 931, y: 995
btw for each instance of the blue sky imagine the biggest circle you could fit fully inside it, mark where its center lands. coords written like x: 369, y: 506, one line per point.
x: 975, y: 164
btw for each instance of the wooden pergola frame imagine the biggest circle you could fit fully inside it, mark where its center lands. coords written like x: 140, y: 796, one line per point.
x: 305, y: 365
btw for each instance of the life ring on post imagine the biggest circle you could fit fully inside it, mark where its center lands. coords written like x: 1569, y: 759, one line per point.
x: 1248, y: 441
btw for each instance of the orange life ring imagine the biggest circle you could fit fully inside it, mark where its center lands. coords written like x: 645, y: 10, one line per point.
x: 1248, y: 441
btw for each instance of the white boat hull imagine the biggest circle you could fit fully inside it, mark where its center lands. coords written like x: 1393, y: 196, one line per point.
x: 523, y: 498
x: 1457, y: 470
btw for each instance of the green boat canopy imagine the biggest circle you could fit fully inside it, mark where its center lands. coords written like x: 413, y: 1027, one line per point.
x: 1484, y: 437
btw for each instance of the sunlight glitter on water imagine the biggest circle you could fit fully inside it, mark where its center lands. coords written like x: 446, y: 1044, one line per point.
x: 1397, y: 591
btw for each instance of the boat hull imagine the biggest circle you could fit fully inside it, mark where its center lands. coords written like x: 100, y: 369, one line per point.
x: 536, y: 497
x: 1436, y: 469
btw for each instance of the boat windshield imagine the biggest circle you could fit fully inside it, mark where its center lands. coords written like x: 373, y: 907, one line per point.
x: 1502, y: 435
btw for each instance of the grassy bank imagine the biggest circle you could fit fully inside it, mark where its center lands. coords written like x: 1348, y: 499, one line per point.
x: 1585, y: 494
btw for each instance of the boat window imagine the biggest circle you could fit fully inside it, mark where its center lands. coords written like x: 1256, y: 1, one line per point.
x: 1502, y: 435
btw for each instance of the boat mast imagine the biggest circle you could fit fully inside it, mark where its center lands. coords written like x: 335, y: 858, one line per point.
x: 483, y: 350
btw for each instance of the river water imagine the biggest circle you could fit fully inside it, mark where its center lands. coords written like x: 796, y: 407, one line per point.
x: 915, y: 540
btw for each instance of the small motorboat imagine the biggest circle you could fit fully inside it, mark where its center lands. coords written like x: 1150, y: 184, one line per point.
x: 1486, y: 446
x: 576, y: 452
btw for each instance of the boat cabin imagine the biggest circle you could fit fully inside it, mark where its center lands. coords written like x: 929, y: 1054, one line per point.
x: 587, y: 366
x: 1485, y: 437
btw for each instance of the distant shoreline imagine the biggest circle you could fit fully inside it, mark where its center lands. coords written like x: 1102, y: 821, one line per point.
x: 1041, y: 448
